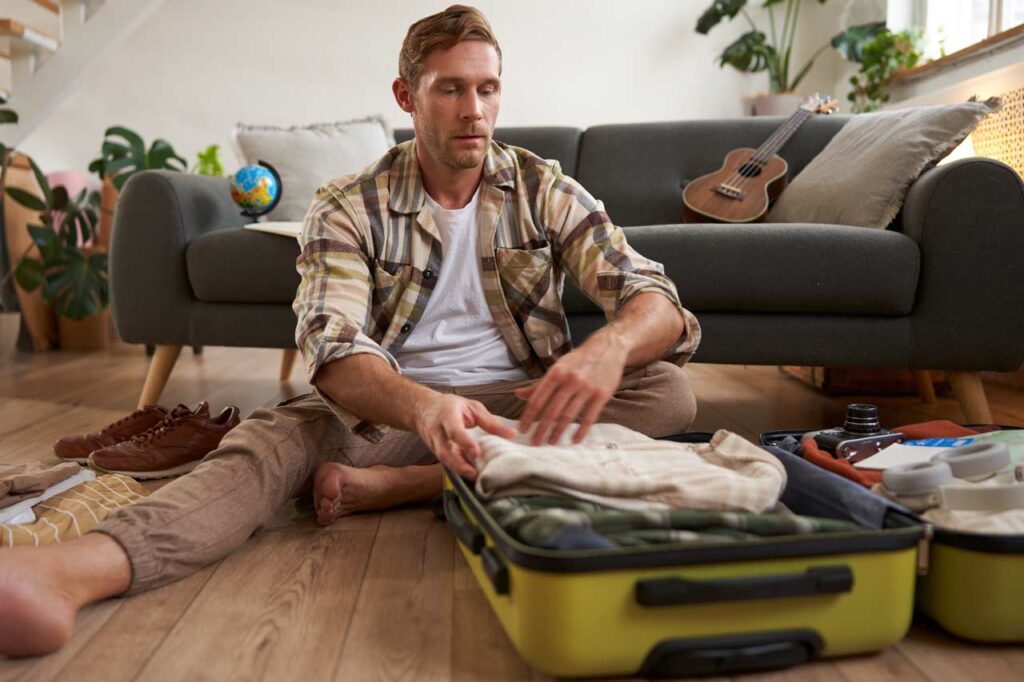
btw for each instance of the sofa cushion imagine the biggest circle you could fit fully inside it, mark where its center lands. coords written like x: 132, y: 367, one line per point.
x: 765, y: 268
x: 306, y: 156
x: 774, y: 268
x: 237, y: 265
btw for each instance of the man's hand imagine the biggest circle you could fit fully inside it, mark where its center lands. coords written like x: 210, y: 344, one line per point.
x: 442, y: 424
x: 579, y: 383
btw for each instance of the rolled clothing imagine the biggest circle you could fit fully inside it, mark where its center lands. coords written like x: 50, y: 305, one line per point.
x: 621, y: 468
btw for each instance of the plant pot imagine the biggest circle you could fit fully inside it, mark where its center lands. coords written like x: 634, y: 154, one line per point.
x: 91, y: 333
x: 39, y: 318
x: 10, y: 326
x: 780, y: 104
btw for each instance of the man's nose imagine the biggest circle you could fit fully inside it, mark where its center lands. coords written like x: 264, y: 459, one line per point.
x: 471, y: 110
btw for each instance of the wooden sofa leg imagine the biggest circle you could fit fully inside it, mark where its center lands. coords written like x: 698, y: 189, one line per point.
x: 970, y: 393
x: 925, y: 388
x: 287, y: 362
x: 159, y: 370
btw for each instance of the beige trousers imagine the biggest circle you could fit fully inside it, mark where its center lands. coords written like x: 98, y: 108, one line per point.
x: 270, y: 458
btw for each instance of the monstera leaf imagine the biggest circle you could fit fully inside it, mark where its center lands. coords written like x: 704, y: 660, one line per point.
x: 750, y: 52
x: 124, y: 155
x: 850, y: 43
x: 718, y: 12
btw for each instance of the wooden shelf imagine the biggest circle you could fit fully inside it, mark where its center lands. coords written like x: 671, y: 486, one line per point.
x: 16, y: 37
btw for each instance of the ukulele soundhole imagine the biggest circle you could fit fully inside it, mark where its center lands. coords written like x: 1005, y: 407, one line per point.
x: 751, y: 169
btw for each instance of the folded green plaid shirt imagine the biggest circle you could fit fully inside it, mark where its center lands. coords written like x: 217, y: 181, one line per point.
x: 371, y: 254
x: 537, y: 520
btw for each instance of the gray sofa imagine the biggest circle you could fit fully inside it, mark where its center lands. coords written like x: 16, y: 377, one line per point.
x: 940, y: 289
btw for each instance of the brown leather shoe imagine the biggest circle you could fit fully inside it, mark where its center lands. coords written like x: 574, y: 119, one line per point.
x: 172, y: 447
x: 78, y: 448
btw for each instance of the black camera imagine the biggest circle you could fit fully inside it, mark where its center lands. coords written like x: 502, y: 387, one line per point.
x: 859, y: 437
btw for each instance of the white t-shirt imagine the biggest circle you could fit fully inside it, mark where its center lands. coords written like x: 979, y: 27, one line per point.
x: 457, y: 342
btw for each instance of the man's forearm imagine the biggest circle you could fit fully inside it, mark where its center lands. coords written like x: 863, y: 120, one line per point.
x: 369, y: 388
x: 646, y: 328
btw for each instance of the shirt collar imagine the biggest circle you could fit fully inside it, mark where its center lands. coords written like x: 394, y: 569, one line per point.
x: 405, y: 186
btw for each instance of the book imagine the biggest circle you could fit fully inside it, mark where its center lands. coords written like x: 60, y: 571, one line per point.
x: 285, y: 229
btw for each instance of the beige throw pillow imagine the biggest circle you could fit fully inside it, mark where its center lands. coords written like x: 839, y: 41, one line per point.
x: 309, y: 155
x: 862, y: 175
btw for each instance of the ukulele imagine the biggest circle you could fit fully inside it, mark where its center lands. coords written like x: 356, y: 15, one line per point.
x: 749, y: 179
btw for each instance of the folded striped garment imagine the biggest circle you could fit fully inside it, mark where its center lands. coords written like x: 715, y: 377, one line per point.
x: 621, y: 468
x: 74, y: 512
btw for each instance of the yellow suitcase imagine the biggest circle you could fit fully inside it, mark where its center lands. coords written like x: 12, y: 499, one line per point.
x: 678, y: 610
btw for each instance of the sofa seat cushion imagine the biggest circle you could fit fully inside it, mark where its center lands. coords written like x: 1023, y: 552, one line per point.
x: 780, y: 268
x: 237, y: 265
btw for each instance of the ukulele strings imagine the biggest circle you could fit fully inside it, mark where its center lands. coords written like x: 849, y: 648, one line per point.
x: 766, y: 151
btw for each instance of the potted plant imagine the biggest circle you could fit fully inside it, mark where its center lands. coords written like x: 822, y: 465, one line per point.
x: 208, y: 162
x: 10, y: 318
x: 752, y: 52
x: 123, y: 155
x: 882, y: 55
x: 72, y: 274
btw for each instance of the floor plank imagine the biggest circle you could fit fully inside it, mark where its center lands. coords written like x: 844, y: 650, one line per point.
x: 277, y: 609
x: 402, y: 625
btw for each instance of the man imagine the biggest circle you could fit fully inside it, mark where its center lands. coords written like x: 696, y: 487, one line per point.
x: 429, y: 303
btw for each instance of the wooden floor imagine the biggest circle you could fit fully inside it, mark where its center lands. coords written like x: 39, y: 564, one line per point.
x: 376, y: 596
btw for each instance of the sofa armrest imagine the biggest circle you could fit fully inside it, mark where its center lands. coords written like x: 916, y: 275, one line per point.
x: 158, y: 214
x: 968, y: 219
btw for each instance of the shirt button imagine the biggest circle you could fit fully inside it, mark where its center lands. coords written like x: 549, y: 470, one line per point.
x: 428, y: 274
x: 405, y: 328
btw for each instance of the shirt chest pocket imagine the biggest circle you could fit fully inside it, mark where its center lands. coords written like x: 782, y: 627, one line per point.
x: 528, y: 280
x: 391, y: 282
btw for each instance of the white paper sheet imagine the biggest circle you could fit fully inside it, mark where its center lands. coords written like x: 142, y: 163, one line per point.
x: 898, y: 454
x: 285, y: 229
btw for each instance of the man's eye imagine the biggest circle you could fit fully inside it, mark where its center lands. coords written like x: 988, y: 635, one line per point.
x: 449, y: 91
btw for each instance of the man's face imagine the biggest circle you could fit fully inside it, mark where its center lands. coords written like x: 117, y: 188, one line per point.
x: 456, y: 102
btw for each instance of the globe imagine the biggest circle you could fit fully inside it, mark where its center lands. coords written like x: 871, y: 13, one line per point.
x: 256, y: 189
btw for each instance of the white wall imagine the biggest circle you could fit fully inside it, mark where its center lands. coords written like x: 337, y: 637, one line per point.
x: 198, y: 66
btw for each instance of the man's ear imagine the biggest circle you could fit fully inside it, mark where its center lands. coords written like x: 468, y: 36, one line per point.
x: 403, y: 95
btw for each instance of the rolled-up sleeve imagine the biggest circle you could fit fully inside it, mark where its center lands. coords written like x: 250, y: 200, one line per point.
x: 594, y: 254
x: 333, y: 298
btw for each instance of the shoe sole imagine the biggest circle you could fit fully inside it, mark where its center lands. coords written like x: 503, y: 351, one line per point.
x: 77, y: 460
x: 147, y: 475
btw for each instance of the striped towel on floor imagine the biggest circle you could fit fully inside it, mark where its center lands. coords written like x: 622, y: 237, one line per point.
x: 74, y: 512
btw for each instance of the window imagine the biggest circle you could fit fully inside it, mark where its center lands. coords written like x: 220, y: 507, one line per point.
x: 951, y: 25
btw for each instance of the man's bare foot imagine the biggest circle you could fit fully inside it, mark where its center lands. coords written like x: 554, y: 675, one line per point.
x: 38, y: 612
x: 42, y: 588
x: 340, y: 490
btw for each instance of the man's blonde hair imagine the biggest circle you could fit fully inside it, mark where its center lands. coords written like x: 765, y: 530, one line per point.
x: 439, y: 32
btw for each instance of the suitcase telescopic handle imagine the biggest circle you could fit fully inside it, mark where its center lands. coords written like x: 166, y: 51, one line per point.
x: 468, y: 534
x: 812, y: 582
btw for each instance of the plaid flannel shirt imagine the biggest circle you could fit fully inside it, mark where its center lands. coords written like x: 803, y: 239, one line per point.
x: 371, y: 253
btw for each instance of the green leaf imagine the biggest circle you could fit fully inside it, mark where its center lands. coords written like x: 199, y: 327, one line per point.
x: 41, y: 179
x: 29, y: 274
x: 119, y: 180
x: 850, y: 43
x: 80, y: 288
x: 138, y: 147
x: 750, y: 53
x: 8, y: 116
x: 717, y: 12
x: 26, y: 199
x: 46, y: 240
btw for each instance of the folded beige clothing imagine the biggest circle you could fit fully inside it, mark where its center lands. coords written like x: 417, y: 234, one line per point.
x: 19, y: 481
x: 1006, y: 522
x: 622, y: 468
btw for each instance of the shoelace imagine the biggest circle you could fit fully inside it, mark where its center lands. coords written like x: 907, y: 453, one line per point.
x: 123, y: 420
x: 175, y: 417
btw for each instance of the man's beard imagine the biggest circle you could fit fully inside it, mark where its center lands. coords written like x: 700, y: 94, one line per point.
x: 443, y: 149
